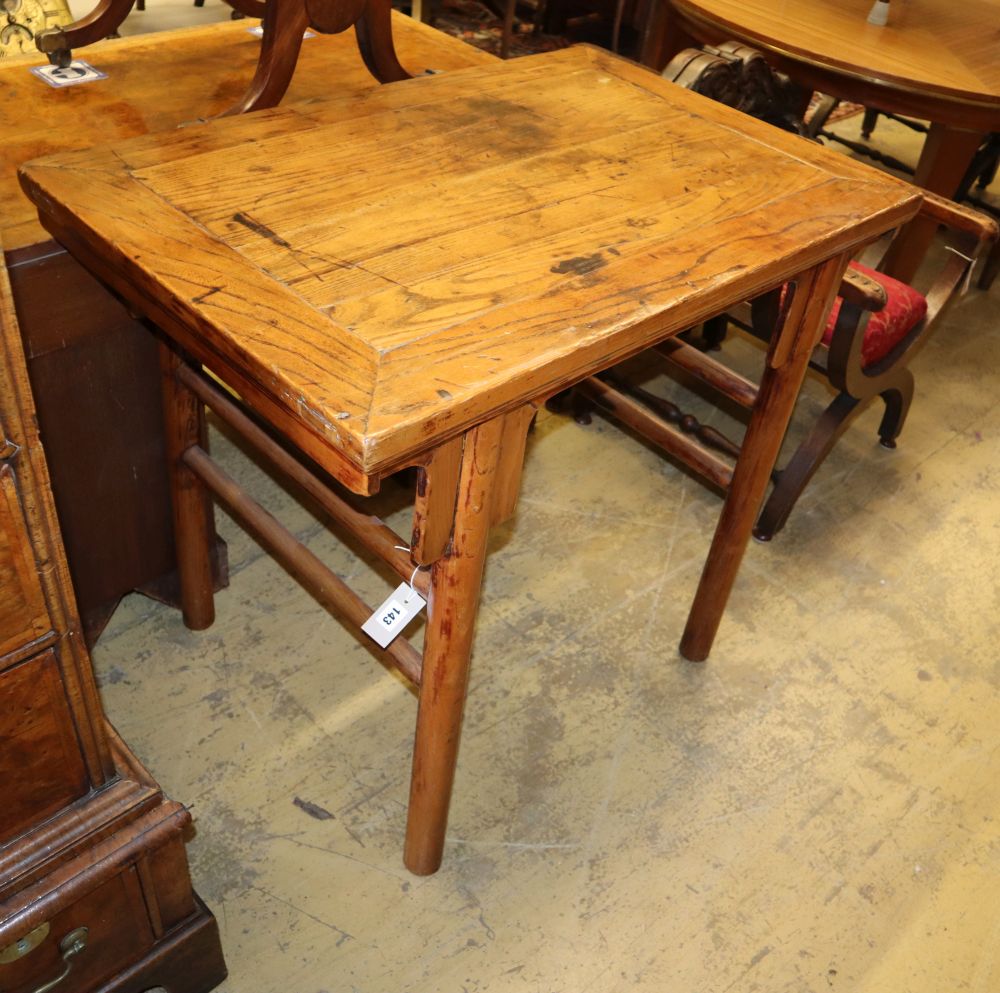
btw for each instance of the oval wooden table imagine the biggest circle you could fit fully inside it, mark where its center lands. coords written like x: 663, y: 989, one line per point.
x: 936, y: 61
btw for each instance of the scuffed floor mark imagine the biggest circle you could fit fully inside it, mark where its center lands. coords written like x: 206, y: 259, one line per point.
x: 313, y: 809
x: 344, y: 935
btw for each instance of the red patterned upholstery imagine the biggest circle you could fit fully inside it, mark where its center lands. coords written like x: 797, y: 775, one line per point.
x: 886, y: 327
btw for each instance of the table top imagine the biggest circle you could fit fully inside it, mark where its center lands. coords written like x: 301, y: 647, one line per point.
x: 951, y: 50
x: 158, y: 81
x: 393, y: 267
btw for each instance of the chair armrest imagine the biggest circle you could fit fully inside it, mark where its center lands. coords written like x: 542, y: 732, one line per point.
x: 982, y: 228
x: 971, y: 234
x: 862, y: 291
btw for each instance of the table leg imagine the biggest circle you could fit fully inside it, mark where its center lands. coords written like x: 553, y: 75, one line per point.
x: 662, y: 37
x: 422, y: 10
x: 788, y: 357
x: 944, y: 160
x: 194, y: 527
x: 454, y: 598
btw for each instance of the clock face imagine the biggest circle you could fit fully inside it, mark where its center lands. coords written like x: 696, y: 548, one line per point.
x: 21, y: 20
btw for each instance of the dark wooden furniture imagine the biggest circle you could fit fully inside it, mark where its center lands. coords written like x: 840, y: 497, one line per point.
x: 935, y: 61
x: 581, y: 210
x: 978, y: 176
x: 94, y: 885
x: 87, y: 358
x: 283, y: 30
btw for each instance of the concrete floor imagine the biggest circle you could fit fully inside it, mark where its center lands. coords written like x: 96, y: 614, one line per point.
x: 814, y: 809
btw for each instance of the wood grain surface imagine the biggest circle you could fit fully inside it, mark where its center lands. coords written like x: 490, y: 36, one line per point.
x: 157, y: 82
x: 952, y: 49
x: 392, y: 267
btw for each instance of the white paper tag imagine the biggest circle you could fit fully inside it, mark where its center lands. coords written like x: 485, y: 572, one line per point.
x: 72, y: 75
x: 967, y: 282
x: 402, y: 605
x: 258, y: 32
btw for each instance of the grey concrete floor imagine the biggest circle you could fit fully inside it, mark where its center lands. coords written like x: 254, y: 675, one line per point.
x: 814, y: 809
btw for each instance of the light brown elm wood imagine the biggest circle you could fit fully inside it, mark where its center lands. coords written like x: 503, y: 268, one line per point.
x: 386, y: 275
x: 209, y: 69
x: 115, y: 523
x: 434, y: 504
x: 787, y: 359
x: 184, y: 427
x: 551, y: 238
x: 454, y: 601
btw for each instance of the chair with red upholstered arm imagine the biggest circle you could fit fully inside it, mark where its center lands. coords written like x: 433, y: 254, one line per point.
x: 873, y: 330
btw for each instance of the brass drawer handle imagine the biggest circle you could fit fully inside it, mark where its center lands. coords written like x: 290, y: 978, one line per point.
x: 74, y: 943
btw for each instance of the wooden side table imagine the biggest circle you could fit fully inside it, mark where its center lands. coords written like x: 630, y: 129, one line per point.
x: 394, y: 279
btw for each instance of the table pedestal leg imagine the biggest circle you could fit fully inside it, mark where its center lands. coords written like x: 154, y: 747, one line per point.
x: 454, y: 598
x: 787, y: 359
x: 662, y: 37
x: 194, y: 527
x: 944, y: 160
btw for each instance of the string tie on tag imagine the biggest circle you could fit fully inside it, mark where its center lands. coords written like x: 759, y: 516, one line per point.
x: 413, y: 575
x: 967, y: 282
x: 961, y: 255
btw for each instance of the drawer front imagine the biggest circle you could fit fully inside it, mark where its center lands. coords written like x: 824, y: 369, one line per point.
x: 118, y: 933
x: 41, y: 762
x: 23, y: 616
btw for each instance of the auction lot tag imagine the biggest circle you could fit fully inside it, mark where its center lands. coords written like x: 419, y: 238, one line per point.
x: 403, y: 604
x: 74, y: 74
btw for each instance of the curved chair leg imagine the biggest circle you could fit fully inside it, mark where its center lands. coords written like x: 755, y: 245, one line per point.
x: 897, y: 406
x: 285, y: 21
x: 713, y: 333
x: 103, y: 20
x: 868, y: 122
x: 374, y: 33
x: 821, y: 115
x: 800, y: 468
